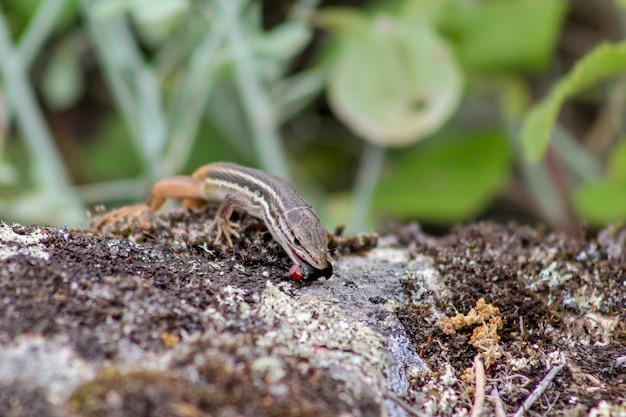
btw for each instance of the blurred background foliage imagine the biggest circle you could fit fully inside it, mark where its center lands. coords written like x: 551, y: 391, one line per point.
x: 437, y: 111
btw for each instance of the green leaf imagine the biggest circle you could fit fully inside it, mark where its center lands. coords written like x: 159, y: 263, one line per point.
x: 275, y: 49
x: 20, y: 13
x: 284, y: 41
x: 602, y: 202
x: 617, y: 162
x: 392, y: 83
x: 607, y: 60
x: 446, y: 179
x: 505, y: 35
x: 154, y: 20
x: 157, y: 20
x: 340, y: 20
x: 424, y: 11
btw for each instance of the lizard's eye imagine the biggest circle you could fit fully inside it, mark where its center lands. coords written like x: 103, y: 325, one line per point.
x: 297, y: 242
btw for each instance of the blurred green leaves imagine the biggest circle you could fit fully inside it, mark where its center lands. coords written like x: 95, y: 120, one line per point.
x: 396, y: 78
x: 447, y: 179
x: 603, y: 62
x: 19, y: 12
x: 393, y: 82
x: 504, y: 35
x: 155, y: 21
x: 193, y: 81
x: 52, y: 195
x: 604, y: 201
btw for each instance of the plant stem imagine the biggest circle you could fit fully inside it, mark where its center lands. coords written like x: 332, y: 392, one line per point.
x: 192, y: 96
x: 255, y: 100
x: 39, y: 29
x: 574, y: 156
x: 48, y: 169
x: 538, y: 183
x: 134, y: 85
x: 367, y: 177
x: 293, y: 94
x: 121, y: 93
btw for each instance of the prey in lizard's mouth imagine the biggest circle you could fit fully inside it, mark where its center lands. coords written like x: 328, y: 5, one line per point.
x: 306, y: 273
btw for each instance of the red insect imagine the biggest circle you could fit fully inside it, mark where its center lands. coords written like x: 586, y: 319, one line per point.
x: 295, y: 273
x: 306, y: 272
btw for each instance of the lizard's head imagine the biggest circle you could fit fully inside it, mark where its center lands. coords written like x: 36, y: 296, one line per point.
x: 303, y: 237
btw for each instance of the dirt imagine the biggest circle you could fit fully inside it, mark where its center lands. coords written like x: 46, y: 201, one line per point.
x: 555, y: 293
x: 152, y: 290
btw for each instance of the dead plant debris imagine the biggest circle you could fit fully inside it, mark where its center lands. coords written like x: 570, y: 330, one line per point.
x: 533, y: 298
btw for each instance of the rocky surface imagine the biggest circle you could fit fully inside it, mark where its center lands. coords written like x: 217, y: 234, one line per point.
x: 148, y: 317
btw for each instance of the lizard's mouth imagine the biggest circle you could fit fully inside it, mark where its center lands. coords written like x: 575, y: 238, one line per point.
x: 298, y: 261
x: 310, y: 273
x: 295, y: 258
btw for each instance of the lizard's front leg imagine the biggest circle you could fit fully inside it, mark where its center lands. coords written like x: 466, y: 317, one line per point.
x: 226, y: 228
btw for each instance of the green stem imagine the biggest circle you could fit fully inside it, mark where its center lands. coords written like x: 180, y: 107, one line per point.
x: 574, y: 156
x: 48, y: 169
x: 367, y: 177
x: 134, y: 85
x: 39, y: 29
x: 537, y: 181
x: 293, y: 94
x: 122, y: 93
x: 192, y: 96
x: 255, y: 100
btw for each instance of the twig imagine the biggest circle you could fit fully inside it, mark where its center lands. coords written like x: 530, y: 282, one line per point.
x: 403, y: 404
x: 184, y: 409
x: 551, y: 405
x: 497, y: 403
x: 543, y: 385
x: 479, y: 390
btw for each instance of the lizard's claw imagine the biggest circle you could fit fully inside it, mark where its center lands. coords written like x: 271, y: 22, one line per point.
x: 225, y: 229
